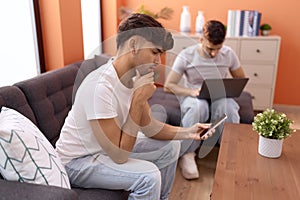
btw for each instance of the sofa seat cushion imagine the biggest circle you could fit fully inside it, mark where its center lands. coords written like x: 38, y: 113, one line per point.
x: 102, y: 194
x: 13, y: 190
x: 26, y: 155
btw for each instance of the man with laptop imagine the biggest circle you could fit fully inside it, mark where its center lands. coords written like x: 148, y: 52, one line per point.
x: 209, y: 59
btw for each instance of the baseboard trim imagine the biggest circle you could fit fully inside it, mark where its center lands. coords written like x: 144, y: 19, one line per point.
x: 286, y: 107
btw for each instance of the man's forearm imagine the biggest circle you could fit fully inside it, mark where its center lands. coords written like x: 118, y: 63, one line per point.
x: 163, y: 131
x: 178, y: 90
x: 131, y: 127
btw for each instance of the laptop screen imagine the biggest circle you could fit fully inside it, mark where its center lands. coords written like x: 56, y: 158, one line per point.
x: 222, y: 88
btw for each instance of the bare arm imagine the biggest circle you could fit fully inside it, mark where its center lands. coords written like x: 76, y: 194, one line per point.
x: 118, y: 141
x: 151, y: 127
x: 171, y: 85
x: 238, y: 73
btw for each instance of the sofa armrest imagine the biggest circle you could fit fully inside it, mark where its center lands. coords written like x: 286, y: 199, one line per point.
x: 246, y: 107
x: 14, y: 190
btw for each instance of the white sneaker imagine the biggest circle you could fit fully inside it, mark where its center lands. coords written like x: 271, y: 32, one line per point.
x: 188, y: 166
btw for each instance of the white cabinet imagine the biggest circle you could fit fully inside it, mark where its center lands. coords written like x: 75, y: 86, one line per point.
x: 258, y: 56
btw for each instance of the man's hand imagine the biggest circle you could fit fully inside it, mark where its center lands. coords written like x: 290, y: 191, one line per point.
x: 195, y: 131
x: 144, y: 86
x: 195, y: 92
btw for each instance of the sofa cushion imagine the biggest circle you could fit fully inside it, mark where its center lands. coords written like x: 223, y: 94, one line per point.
x: 13, y: 97
x: 13, y: 190
x: 25, y: 154
x: 103, y: 194
x: 246, y: 107
x: 165, y: 107
x: 88, y: 66
x: 50, y: 97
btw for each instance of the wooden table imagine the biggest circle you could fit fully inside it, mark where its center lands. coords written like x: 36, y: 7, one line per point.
x: 242, y: 173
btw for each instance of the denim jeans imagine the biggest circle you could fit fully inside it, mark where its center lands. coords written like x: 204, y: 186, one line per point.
x: 198, y: 110
x: 149, y: 173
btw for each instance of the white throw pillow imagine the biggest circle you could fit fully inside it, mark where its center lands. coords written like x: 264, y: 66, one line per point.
x: 25, y: 153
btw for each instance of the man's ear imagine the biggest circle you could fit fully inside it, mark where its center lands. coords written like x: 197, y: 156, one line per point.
x: 133, y: 45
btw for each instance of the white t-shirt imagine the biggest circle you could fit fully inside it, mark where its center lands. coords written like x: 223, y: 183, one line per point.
x: 196, y: 68
x: 100, y: 96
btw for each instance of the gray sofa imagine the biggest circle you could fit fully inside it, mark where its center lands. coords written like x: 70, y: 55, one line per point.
x: 46, y: 101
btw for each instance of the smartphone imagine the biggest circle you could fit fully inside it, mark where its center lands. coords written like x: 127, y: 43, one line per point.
x: 214, y: 124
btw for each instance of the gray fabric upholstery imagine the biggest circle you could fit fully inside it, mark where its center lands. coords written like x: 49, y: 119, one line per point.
x: 50, y: 97
x: 86, y: 67
x: 12, y: 97
x: 46, y: 101
x: 94, y: 194
x: 12, y: 190
x: 169, y: 105
x: 246, y: 107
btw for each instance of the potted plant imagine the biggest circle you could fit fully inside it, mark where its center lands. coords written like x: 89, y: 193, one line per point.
x: 164, y: 13
x: 265, y: 29
x: 273, y: 128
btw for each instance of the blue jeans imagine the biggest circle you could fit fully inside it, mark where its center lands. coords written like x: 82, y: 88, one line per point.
x: 149, y: 173
x: 198, y: 110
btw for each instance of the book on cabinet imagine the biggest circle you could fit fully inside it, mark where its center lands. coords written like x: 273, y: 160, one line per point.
x: 243, y: 23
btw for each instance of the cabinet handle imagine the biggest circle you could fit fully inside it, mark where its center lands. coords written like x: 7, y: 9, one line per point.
x: 255, y: 74
x: 257, y: 51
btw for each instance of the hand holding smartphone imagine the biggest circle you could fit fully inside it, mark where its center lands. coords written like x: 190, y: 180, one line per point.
x: 214, y: 124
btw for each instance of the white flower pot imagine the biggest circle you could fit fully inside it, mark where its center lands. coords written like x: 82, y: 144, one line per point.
x: 265, y: 32
x: 270, y: 148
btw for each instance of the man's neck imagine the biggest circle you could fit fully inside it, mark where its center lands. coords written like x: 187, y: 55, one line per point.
x: 124, y: 71
x: 202, y: 52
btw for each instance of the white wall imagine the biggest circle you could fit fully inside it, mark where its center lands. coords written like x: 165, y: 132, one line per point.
x: 18, y: 44
x: 91, y: 25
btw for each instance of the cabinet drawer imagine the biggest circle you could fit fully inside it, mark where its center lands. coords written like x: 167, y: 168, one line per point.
x: 262, y: 97
x: 256, y: 50
x: 260, y: 74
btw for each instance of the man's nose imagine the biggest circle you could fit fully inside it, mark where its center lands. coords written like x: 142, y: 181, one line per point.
x: 158, y: 59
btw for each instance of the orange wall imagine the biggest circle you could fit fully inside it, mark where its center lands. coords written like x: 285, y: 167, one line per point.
x: 282, y: 15
x: 62, y: 32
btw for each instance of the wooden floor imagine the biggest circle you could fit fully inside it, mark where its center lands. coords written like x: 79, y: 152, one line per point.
x: 201, y: 188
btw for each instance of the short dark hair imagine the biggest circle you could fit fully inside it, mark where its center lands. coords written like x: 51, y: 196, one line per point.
x: 147, y: 27
x: 214, y: 31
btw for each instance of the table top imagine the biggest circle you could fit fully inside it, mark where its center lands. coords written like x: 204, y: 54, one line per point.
x: 242, y: 173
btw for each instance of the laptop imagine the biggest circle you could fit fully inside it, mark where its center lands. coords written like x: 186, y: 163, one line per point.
x: 213, y: 89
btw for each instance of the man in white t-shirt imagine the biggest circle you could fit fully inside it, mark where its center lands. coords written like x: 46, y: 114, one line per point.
x: 109, y: 138
x: 208, y: 59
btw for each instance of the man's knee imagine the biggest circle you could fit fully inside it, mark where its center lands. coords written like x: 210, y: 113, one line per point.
x: 148, y: 184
